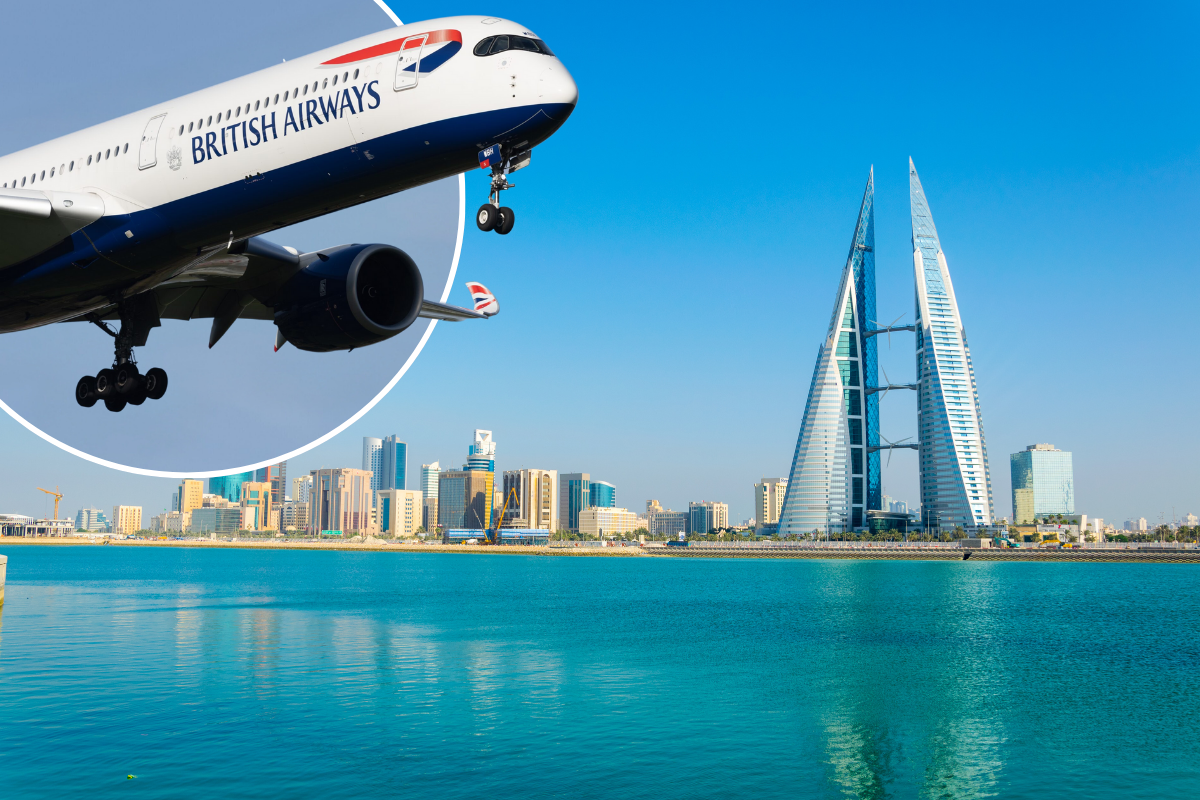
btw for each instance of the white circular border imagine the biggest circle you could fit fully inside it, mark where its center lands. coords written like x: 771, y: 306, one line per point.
x: 154, y: 473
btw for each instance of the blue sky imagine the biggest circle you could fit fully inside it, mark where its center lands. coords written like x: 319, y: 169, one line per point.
x: 679, y: 240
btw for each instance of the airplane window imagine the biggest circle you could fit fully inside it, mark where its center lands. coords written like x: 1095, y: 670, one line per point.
x: 98, y: 157
x: 355, y: 74
x: 238, y: 113
x: 256, y: 102
x: 335, y: 77
x: 306, y: 88
x: 22, y: 181
x: 521, y: 43
x: 181, y: 130
x: 218, y: 116
x: 125, y: 149
x: 481, y: 49
x: 247, y: 108
x: 89, y: 161
x: 315, y: 85
x: 345, y: 76
x: 326, y: 86
x: 227, y: 115
x: 52, y: 172
x: 285, y: 97
x: 190, y: 124
x: 499, y: 46
x: 210, y: 118
x: 542, y: 46
x: 107, y: 153
x: 72, y: 169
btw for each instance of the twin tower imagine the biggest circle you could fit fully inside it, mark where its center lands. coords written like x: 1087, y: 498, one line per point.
x: 835, y: 478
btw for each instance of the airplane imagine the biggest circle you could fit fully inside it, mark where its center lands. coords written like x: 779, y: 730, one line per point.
x: 160, y: 214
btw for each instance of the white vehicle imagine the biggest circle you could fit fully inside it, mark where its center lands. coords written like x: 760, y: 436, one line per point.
x: 157, y: 215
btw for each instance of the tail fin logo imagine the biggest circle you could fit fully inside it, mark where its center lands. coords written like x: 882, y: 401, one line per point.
x: 485, y: 302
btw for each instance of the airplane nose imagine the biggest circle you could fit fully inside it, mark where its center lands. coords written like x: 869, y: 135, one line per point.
x: 558, y: 86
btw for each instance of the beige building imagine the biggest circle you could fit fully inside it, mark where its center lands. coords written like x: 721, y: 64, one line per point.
x: 341, y: 501
x: 600, y: 522
x: 429, y: 518
x: 126, y: 520
x: 768, y: 501
x: 191, y: 497
x: 400, y: 512
x: 536, y: 500
x: 256, y: 506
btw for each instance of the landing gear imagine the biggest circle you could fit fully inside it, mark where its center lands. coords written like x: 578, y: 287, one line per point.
x: 123, y: 384
x: 491, y: 215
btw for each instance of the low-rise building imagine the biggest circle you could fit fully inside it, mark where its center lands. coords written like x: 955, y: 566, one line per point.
x: 601, y: 522
x: 127, y: 519
x: 220, y: 521
x: 666, y: 523
x: 91, y: 519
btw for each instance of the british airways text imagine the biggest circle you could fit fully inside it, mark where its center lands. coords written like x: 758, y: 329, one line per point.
x: 303, y: 116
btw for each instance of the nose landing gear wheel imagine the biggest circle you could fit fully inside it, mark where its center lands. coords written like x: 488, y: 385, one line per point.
x: 487, y: 217
x: 508, y: 218
x: 85, y: 391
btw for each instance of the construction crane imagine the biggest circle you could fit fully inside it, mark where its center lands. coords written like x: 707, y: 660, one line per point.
x: 493, y: 535
x: 57, y: 496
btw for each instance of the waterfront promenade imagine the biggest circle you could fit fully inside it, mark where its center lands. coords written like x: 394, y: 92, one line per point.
x: 875, y: 551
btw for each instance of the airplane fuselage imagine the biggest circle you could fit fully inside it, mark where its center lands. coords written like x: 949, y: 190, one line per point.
x: 181, y: 180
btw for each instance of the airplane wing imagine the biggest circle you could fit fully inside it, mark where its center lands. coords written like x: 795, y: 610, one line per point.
x: 32, y: 222
x: 240, y: 284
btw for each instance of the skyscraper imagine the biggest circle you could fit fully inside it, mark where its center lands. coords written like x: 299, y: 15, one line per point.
x: 574, y: 494
x: 393, y: 464
x: 481, y: 454
x: 536, y: 503
x: 835, y: 476
x: 956, y: 485
x: 429, y: 491
x: 372, y: 459
x: 340, y: 501
x: 465, y: 498
x: 1043, y: 483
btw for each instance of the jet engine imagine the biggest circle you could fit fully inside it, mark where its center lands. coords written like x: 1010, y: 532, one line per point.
x: 348, y: 297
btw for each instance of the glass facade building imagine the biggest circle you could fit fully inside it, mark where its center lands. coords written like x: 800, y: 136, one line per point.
x: 393, y: 464
x: 1043, y: 483
x: 229, y: 486
x: 956, y: 486
x: 481, y: 454
x: 835, y: 476
x: 602, y: 494
x: 574, y: 495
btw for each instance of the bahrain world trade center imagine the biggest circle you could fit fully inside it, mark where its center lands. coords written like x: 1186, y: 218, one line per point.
x: 835, y: 477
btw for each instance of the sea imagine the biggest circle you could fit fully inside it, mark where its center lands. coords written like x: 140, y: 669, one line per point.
x: 157, y: 672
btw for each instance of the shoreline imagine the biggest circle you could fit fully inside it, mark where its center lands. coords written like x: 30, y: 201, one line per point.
x: 656, y: 550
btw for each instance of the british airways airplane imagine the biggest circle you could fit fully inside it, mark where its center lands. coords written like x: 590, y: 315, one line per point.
x: 158, y: 214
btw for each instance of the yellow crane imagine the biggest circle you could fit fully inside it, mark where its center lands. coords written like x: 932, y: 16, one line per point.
x: 493, y: 535
x: 57, y: 496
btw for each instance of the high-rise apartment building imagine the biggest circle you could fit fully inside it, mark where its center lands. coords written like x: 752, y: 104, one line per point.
x: 400, y: 512
x: 481, y: 455
x: 835, y: 473
x: 574, y: 495
x: 190, y: 497
x: 536, y: 503
x: 768, y: 501
x: 372, y: 459
x: 956, y: 484
x: 229, y: 486
x: 465, y: 499
x: 341, y: 501
x: 302, y: 489
x: 126, y: 520
x: 665, y: 522
x: 602, y: 494
x: 707, y: 517
x: 393, y: 464
x: 429, y: 479
x: 1043, y: 483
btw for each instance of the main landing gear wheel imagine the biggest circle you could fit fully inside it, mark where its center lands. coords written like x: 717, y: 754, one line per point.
x: 508, y: 218
x: 106, y: 384
x: 487, y: 217
x: 127, y: 379
x: 85, y: 391
x: 114, y: 403
x: 156, y: 383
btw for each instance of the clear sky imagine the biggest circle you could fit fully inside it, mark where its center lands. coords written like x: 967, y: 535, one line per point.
x: 679, y: 241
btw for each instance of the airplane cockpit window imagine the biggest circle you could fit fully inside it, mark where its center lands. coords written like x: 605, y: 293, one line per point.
x: 492, y: 45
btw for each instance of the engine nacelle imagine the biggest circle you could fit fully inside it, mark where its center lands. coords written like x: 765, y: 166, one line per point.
x: 350, y: 297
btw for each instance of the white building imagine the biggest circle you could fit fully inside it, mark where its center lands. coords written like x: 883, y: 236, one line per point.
x: 600, y: 522
x: 91, y: 519
x: 400, y: 512
x: 1135, y: 525
x: 1190, y: 520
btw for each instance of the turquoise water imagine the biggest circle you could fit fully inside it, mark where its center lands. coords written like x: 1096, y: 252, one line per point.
x: 282, y: 674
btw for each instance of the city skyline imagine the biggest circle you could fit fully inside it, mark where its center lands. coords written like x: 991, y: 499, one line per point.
x: 1046, y: 205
